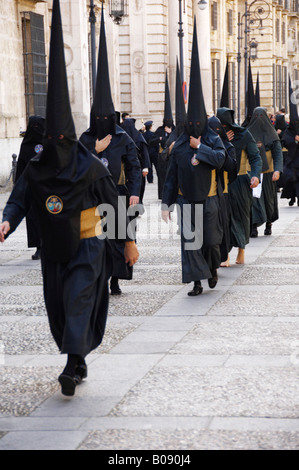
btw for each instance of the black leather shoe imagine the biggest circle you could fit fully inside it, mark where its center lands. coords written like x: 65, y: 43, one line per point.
x: 292, y: 202
x: 36, y: 255
x: 254, y: 232
x: 114, y: 287
x: 68, y: 385
x: 197, y: 289
x: 115, y: 290
x: 213, y: 280
x: 268, y: 229
x: 81, y: 373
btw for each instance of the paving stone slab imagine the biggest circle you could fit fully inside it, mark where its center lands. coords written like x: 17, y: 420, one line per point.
x: 161, y: 275
x: 138, y: 303
x: 269, y: 275
x: 215, y: 391
x: 22, y: 390
x: 191, y: 440
x: 256, y: 301
x: 30, y: 277
x: 32, y: 336
x: 42, y: 440
x: 239, y: 336
x: 286, y: 240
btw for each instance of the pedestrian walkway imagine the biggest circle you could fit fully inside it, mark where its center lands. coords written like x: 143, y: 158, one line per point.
x: 219, y: 371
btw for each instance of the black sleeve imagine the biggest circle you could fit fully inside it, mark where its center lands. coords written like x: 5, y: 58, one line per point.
x: 18, y: 204
x: 132, y: 169
x: 146, y: 163
x: 212, y: 156
x: 170, y: 190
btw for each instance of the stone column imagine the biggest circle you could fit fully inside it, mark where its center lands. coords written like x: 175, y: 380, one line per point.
x: 75, y: 32
x: 138, y: 61
x: 173, y: 41
x: 203, y: 21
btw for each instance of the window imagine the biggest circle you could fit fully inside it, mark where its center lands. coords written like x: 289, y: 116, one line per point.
x: 280, y: 87
x: 230, y: 22
x: 34, y: 63
x: 283, y: 33
x: 277, y: 30
x: 216, y: 85
x: 214, y: 15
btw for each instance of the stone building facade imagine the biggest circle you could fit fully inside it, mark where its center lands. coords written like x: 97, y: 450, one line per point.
x: 141, y: 49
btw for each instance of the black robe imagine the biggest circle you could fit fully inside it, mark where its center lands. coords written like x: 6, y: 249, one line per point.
x: 291, y: 165
x: 188, y: 184
x: 162, y: 163
x: 121, y: 159
x: 265, y: 208
x: 153, y: 150
x: 30, y: 147
x: 75, y: 292
x: 240, y: 194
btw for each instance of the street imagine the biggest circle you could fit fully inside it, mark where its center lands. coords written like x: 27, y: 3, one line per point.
x: 214, y: 372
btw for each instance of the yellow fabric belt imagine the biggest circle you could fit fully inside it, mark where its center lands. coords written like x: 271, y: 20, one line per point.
x: 270, y: 162
x: 244, y: 164
x: 90, y: 223
x: 213, y: 187
x: 225, y: 177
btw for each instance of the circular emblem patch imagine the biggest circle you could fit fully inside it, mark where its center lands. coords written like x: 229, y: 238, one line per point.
x: 194, y: 160
x: 38, y: 148
x: 105, y: 162
x: 54, y: 205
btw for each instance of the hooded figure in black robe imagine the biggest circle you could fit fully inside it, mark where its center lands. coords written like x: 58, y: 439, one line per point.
x: 289, y: 140
x: 191, y: 183
x: 153, y: 149
x: 240, y: 193
x: 226, y: 176
x: 68, y: 185
x: 30, y: 147
x: 265, y: 208
x: 163, y: 133
x: 142, y: 150
x: 250, y: 98
x: 257, y: 91
x: 224, y: 102
x: 180, y: 116
x: 115, y: 149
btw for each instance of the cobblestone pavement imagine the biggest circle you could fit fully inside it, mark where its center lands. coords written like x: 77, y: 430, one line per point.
x: 219, y: 371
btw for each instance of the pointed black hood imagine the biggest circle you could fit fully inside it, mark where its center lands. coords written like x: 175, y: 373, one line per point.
x: 224, y: 103
x: 59, y: 120
x: 257, y: 91
x: 250, y: 98
x: 196, y: 121
x: 168, y: 116
x: 103, y: 116
x: 180, y: 109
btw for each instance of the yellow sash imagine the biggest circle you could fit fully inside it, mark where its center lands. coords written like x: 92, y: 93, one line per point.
x: 90, y: 225
x: 225, y: 177
x: 270, y: 162
x: 213, y: 187
x: 122, y: 176
x: 244, y: 164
